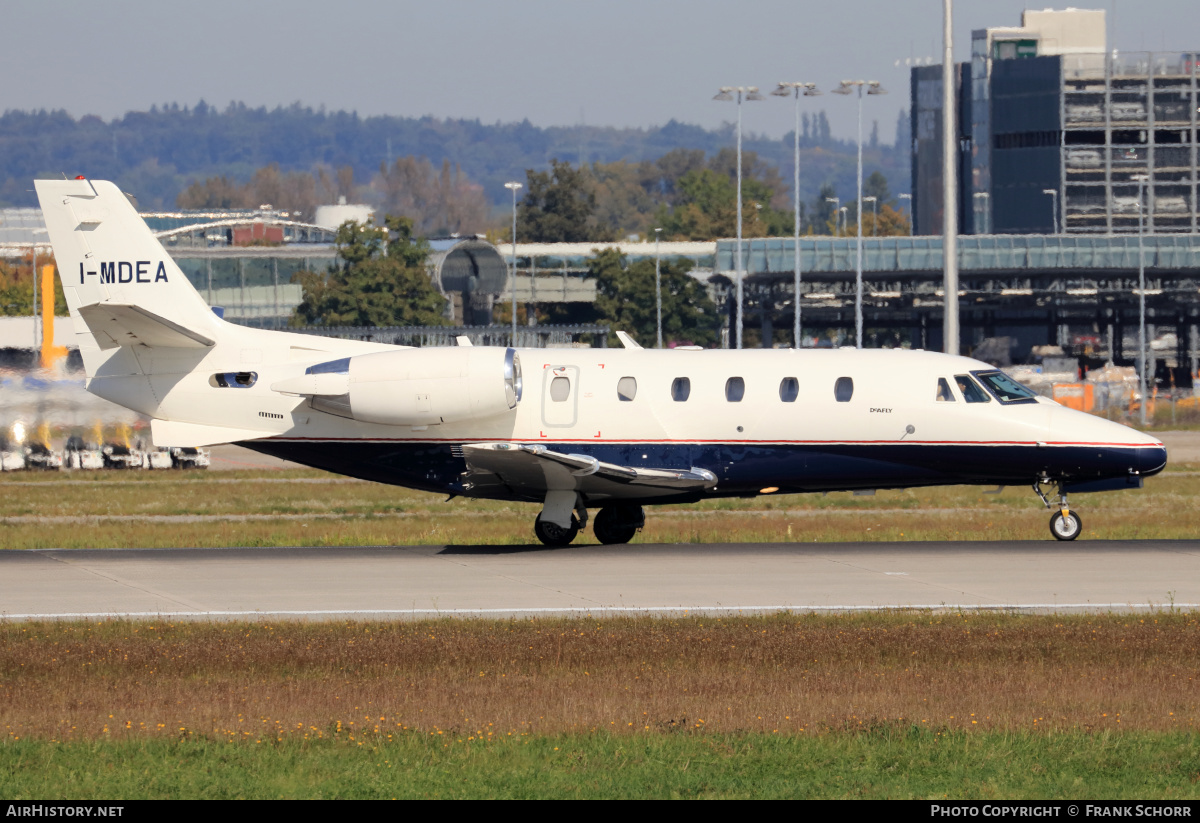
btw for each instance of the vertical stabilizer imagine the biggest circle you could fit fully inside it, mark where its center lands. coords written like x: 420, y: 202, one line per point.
x: 121, y: 286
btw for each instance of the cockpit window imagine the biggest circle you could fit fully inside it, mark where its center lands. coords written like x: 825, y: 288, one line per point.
x: 1005, y: 388
x: 970, y: 389
x: 944, y: 395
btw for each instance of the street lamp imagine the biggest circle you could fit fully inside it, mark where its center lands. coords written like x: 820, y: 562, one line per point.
x: 982, y: 211
x: 726, y: 94
x: 874, y: 201
x: 1141, y: 181
x: 513, y: 186
x: 872, y: 88
x: 658, y: 285
x: 795, y: 90
x: 1054, y: 205
x: 837, y: 213
x: 842, y: 217
x: 908, y: 197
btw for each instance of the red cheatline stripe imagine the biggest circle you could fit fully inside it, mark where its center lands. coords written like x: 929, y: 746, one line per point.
x: 593, y: 441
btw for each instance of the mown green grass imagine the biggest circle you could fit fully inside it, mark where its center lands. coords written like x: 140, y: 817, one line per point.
x: 312, y: 508
x: 883, y: 762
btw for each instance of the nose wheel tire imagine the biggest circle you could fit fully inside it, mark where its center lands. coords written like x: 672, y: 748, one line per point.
x: 1065, y: 527
x: 618, y: 524
x: 554, y: 535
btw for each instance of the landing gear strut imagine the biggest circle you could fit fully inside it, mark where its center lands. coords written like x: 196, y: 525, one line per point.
x: 618, y: 524
x: 561, y: 507
x: 1064, y: 523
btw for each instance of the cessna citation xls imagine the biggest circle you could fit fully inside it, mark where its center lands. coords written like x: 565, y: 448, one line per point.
x: 572, y: 429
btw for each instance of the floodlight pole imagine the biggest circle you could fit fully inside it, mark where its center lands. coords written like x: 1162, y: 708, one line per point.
x: 810, y: 90
x: 949, y: 185
x: 1142, y: 383
x: 846, y: 87
x: 513, y: 186
x: 658, y: 285
x: 751, y: 93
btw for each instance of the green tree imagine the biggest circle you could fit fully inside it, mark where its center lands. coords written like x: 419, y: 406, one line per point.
x: 705, y: 207
x: 382, y: 281
x: 625, y: 300
x: 16, y: 288
x: 558, y: 207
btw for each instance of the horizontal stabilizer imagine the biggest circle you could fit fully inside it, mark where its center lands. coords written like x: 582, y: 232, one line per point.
x: 314, y: 385
x: 173, y: 433
x: 535, y: 468
x: 115, y: 324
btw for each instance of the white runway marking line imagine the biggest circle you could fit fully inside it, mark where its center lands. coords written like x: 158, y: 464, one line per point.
x: 603, y: 610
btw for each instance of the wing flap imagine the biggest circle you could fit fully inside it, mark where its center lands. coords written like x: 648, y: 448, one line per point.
x: 536, y: 468
x: 117, y: 324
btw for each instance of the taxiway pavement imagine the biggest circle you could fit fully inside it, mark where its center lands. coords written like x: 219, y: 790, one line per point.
x: 422, y: 581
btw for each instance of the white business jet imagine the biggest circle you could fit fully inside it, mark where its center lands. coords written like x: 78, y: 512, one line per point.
x: 572, y: 429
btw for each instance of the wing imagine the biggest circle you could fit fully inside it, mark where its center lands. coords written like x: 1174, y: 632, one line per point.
x: 532, y: 470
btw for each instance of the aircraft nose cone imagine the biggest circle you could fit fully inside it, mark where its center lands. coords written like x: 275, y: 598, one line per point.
x: 1152, y: 459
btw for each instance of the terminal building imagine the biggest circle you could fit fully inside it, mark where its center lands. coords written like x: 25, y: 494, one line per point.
x: 1059, y: 134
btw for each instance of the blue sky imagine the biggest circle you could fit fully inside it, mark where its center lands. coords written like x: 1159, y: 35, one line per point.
x: 618, y: 62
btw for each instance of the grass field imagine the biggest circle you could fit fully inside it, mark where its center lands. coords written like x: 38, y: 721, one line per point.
x: 869, y: 705
x: 876, y: 705
x: 311, y: 508
x: 885, y: 762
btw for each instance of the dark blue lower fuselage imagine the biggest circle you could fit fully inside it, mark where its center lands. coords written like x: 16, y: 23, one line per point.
x: 742, y: 468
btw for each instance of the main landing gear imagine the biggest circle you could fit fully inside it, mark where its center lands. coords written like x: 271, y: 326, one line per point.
x: 618, y: 524
x: 1064, y: 523
x: 614, y: 524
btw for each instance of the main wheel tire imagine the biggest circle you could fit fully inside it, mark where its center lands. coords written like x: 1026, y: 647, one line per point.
x: 618, y: 524
x: 554, y: 535
x: 1065, y: 528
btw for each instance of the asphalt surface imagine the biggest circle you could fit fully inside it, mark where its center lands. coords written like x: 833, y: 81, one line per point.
x: 422, y: 581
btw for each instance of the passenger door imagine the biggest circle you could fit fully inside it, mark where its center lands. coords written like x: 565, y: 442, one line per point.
x: 560, y: 396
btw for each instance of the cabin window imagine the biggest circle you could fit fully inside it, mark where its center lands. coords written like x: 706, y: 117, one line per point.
x: 681, y: 387
x: 626, y: 389
x: 234, y: 380
x: 970, y: 389
x: 843, y: 389
x: 560, y: 389
x: 1005, y: 388
x: 944, y: 395
x: 789, y: 389
x: 735, y: 389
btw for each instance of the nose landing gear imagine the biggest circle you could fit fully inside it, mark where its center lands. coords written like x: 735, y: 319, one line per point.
x: 1064, y: 523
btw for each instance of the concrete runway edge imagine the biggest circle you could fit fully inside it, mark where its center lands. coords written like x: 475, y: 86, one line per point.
x: 416, y: 582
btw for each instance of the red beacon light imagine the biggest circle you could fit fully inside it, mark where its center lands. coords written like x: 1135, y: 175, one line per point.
x: 80, y: 177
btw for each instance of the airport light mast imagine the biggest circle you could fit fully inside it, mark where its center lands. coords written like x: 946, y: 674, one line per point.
x: 784, y: 90
x: 873, y: 88
x: 513, y: 186
x: 726, y: 94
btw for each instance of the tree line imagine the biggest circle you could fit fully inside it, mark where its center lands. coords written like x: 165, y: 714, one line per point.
x: 157, y: 154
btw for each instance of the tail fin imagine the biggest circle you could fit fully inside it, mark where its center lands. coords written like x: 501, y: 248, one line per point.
x: 122, y: 287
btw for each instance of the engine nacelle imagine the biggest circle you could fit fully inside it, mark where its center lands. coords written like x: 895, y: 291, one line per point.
x: 415, y: 387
